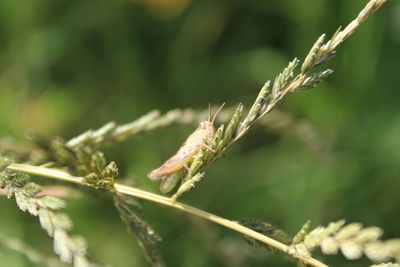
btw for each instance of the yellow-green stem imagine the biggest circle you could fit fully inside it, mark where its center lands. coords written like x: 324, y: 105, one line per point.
x: 131, y: 191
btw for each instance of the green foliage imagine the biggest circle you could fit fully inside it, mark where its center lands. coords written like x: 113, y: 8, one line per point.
x: 233, y: 125
x: 188, y: 184
x: 71, y: 249
x: 82, y: 158
x: 111, y: 133
x: 269, y: 96
x: 352, y: 240
x: 300, y: 236
x: 130, y: 211
x: 73, y: 71
x: 265, y: 229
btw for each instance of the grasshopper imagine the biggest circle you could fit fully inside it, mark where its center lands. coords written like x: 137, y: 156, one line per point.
x: 174, y: 167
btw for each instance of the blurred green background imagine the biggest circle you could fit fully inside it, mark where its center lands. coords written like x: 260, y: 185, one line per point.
x: 67, y: 66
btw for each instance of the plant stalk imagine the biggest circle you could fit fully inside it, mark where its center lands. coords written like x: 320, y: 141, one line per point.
x: 134, y: 192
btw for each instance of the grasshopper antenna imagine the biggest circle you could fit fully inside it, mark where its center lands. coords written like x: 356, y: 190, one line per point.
x: 218, y: 111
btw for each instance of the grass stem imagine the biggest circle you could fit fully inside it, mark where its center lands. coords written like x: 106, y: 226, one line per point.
x: 142, y: 194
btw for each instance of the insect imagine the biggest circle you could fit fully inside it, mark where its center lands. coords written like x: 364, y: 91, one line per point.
x: 172, y: 169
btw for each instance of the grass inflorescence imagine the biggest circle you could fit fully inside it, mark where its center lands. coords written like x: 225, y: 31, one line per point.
x: 71, y: 249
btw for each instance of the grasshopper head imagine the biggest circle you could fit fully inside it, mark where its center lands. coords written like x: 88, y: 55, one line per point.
x: 210, y: 122
x: 205, y: 129
x: 206, y: 125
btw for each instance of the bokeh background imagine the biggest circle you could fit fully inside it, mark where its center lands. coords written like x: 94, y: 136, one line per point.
x: 67, y: 66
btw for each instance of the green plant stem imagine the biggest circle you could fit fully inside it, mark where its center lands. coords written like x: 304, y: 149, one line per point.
x: 131, y: 191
